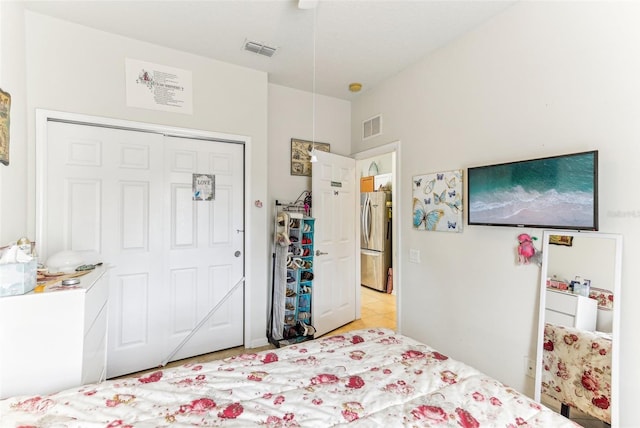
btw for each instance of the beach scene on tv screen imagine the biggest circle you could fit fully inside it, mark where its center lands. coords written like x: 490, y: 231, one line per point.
x: 551, y: 192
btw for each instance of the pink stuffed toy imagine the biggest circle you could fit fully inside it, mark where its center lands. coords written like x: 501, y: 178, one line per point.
x: 526, y: 250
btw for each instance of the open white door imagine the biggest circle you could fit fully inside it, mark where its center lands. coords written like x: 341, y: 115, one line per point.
x: 334, y: 208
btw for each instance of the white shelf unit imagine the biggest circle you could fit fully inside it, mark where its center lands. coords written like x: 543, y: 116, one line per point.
x: 292, y: 292
x: 300, y: 288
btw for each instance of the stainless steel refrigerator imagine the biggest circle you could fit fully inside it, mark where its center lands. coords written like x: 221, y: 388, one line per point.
x: 375, y: 241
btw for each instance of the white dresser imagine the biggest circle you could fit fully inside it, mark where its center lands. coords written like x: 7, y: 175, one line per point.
x: 54, y: 340
x: 571, y: 310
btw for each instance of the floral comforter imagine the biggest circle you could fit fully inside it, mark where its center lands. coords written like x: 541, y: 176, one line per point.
x: 576, y: 369
x: 363, y: 378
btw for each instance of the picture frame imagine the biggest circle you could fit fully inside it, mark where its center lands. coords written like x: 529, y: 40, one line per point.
x: 300, y: 159
x: 203, y: 187
x: 561, y: 240
x: 437, y: 201
x: 5, y: 108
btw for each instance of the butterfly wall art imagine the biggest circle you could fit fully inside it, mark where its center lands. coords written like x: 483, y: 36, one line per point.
x: 437, y: 201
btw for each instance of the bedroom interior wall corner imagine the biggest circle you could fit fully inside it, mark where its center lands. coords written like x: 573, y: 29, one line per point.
x: 13, y: 178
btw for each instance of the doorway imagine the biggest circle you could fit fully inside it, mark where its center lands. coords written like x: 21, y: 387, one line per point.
x: 377, y: 303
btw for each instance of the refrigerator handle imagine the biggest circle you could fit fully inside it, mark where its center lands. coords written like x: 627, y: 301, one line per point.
x: 368, y: 223
x: 364, y: 220
x: 362, y: 208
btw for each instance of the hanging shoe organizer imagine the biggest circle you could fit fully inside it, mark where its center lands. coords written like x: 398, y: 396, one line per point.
x: 292, y: 280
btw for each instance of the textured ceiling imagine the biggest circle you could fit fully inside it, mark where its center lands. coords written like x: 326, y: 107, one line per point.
x: 363, y: 41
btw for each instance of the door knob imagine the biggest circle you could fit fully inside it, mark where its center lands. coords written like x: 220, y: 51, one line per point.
x: 320, y: 253
x: 237, y: 253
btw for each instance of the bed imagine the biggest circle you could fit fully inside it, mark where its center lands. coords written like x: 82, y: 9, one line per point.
x: 576, y: 369
x: 366, y: 378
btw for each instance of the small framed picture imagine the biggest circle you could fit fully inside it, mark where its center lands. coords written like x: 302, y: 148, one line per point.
x: 300, y: 158
x: 561, y: 240
x: 5, y: 108
x: 204, y: 187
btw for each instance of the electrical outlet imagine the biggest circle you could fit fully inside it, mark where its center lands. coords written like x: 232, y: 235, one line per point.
x: 530, y: 367
x: 414, y: 255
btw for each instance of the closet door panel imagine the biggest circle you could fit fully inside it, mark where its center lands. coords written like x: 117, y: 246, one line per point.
x: 206, y: 239
x: 81, y: 217
x: 128, y: 196
x: 134, y: 217
x: 130, y: 326
x: 184, y: 290
x: 218, y: 279
x: 183, y: 218
x: 112, y: 204
x: 221, y: 219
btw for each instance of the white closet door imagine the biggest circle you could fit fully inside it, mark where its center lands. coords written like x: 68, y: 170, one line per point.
x: 204, y: 245
x: 124, y: 194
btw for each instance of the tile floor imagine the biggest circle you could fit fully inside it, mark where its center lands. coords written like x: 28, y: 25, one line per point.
x: 378, y: 310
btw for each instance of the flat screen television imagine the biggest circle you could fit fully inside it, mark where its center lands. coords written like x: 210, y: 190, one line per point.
x: 557, y: 192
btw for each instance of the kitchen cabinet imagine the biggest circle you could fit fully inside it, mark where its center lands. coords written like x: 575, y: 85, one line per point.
x: 366, y: 184
x: 382, y: 181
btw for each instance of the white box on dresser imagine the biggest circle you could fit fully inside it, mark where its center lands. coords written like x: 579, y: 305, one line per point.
x: 56, y: 339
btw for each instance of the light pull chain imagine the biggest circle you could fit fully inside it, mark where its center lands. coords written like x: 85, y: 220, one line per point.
x: 312, y: 154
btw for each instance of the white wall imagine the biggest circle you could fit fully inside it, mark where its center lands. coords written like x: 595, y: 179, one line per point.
x: 77, y: 69
x: 587, y: 258
x: 543, y: 78
x: 383, y: 162
x: 13, y: 178
x: 291, y: 116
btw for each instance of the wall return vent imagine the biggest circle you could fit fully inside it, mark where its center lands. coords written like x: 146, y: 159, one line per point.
x: 259, y: 48
x: 372, y: 127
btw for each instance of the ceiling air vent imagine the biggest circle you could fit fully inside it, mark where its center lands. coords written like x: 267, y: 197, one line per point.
x: 259, y: 48
x: 372, y: 127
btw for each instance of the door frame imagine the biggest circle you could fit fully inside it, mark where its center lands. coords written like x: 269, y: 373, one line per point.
x: 396, y: 244
x: 43, y: 117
